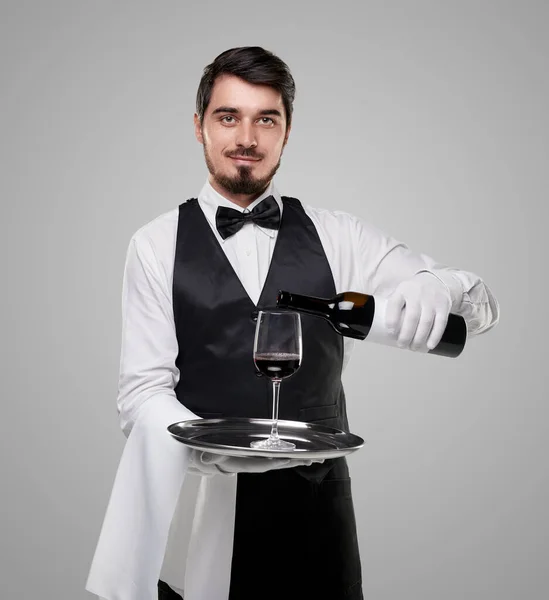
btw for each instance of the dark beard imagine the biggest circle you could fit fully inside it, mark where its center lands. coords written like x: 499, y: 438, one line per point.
x: 243, y: 183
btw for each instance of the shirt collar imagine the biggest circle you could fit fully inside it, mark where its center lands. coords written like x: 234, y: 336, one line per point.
x: 209, y: 199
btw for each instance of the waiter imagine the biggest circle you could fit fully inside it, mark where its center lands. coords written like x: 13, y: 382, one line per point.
x: 194, y: 280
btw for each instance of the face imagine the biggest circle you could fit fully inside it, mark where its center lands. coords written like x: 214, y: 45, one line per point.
x: 243, y: 133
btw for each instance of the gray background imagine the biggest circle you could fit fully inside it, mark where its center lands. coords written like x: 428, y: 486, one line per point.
x: 428, y: 119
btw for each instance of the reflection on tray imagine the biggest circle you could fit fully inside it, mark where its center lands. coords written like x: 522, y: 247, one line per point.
x: 232, y: 436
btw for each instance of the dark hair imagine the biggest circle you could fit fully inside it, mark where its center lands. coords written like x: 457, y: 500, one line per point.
x: 253, y: 64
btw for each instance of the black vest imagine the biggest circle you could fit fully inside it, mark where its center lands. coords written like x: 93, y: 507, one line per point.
x: 309, y: 508
x: 215, y: 325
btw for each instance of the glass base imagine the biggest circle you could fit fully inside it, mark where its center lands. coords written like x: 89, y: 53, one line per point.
x: 272, y: 444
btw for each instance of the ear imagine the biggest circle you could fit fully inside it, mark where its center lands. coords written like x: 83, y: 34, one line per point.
x: 287, y: 134
x: 198, y: 129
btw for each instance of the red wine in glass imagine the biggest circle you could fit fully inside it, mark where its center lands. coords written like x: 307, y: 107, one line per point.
x: 277, y: 354
x: 277, y: 365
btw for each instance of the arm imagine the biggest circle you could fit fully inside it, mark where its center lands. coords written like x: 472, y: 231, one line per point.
x: 389, y: 263
x: 149, y: 343
x: 153, y: 466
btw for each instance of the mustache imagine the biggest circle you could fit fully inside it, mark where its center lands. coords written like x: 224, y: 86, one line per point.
x: 245, y: 154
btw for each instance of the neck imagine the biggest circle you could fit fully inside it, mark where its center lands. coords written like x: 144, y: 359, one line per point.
x: 242, y: 200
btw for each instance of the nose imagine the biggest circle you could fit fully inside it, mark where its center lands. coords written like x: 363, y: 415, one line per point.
x: 246, y: 135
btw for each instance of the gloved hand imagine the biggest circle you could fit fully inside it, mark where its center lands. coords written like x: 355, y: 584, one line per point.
x: 426, y: 301
x: 208, y: 464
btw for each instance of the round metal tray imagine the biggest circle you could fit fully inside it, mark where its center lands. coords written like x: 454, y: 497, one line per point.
x: 232, y: 437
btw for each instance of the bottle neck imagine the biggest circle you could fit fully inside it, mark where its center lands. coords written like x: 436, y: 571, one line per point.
x: 306, y: 304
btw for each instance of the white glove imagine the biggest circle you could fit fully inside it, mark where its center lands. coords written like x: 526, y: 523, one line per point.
x: 426, y: 301
x: 208, y: 464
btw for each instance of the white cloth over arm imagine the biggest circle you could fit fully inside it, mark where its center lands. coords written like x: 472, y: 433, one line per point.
x: 133, y: 539
x: 131, y: 545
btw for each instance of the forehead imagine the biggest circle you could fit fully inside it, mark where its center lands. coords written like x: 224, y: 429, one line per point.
x: 229, y: 90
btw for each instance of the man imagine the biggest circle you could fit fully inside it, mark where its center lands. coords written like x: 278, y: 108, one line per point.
x: 194, y: 280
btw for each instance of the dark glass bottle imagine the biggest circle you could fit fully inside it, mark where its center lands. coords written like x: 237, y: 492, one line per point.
x: 362, y: 317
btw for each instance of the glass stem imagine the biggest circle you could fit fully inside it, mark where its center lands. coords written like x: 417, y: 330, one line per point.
x: 276, y: 392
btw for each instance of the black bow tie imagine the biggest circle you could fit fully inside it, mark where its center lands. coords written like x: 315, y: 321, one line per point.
x: 266, y: 214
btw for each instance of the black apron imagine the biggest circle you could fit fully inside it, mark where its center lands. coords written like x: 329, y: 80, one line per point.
x: 295, y: 532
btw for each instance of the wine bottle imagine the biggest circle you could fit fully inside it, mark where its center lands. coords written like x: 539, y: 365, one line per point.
x: 362, y: 317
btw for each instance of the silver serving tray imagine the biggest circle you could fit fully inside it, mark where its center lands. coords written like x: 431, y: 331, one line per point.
x: 232, y: 437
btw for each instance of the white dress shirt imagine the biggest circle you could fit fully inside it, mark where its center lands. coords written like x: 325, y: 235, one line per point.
x: 152, y: 469
x: 362, y: 259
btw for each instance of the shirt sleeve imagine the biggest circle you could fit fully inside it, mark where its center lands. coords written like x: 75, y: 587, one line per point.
x: 386, y: 261
x: 149, y: 344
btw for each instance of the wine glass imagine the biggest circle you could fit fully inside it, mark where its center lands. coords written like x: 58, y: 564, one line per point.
x: 277, y: 354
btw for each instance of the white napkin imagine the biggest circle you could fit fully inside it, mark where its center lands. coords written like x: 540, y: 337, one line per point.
x: 132, y: 542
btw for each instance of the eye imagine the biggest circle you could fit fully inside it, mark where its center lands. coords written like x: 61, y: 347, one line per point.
x: 227, y: 117
x: 270, y: 121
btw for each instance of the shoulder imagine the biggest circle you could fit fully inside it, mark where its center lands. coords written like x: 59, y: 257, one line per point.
x: 154, y: 242
x: 342, y: 226
x: 157, y: 229
x: 333, y: 222
x: 329, y: 216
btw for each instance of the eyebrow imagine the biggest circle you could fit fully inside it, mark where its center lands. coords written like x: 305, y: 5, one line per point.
x: 235, y: 111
